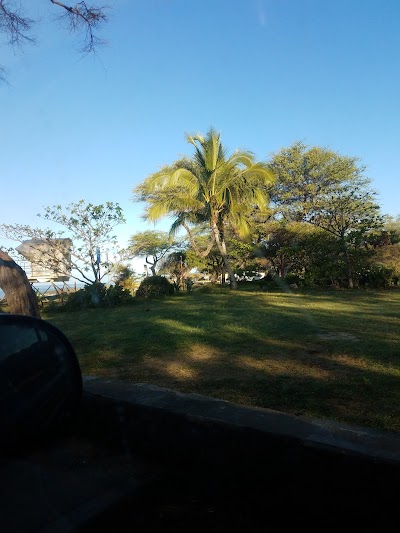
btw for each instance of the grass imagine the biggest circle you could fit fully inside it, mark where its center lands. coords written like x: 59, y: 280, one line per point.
x: 318, y: 354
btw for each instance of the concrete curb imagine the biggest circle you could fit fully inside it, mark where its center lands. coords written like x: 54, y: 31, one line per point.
x: 177, y: 420
x: 260, y: 465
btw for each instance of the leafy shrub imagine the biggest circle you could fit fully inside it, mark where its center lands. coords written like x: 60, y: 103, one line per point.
x: 154, y: 287
x: 117, y: 295
x: 189, y: 282
x: 268, y: 283
x: 291, y: 278
x: 125, y: 277
x: 377, y: 277
x: 209, y: 288
x: 97, y: 295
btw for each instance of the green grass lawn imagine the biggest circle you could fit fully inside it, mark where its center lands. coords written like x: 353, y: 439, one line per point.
x: 319, y: 354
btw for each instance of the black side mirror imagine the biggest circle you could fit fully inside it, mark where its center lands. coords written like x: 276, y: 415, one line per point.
x: 40, y: 378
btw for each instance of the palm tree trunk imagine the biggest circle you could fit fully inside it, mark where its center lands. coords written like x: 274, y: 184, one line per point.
x: 205, y: 252
x: 220, y: 241
x: 21, y: 298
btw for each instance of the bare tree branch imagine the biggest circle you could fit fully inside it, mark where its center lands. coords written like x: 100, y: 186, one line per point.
x: 89, y: 226
x: 82, y: 19
x: 15, y: 25
x: 3, y: 75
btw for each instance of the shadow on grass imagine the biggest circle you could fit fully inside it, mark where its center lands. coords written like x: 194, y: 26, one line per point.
x: 253, y: 348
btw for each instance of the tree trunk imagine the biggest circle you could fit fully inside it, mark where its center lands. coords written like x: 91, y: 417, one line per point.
x: 348, y: 265
x: 21, y: 298
x: 281, y: 267
x: 152, y: 266
x: 222, y: 250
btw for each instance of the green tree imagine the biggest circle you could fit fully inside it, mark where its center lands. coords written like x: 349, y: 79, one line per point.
x: 125, y: 277
x: 177, y: 267
x: 16, y: 26
x: 210, y: 187
x: 152, y: 245
x: 242, y: 256
x: 327, y: 190
x: 90, y: 229
x: 385, y: 247
x: 280, y: 242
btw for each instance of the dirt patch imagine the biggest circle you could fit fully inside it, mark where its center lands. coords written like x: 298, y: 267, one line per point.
x: 337, y: 336
x: 203, y: 352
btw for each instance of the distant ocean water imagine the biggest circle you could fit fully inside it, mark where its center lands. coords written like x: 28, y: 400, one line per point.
x: 48, y: 287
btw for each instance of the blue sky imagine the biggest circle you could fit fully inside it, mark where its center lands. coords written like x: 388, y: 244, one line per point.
x: 265, y: 73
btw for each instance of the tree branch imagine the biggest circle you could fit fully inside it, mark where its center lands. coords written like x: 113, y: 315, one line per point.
x: 194, y: 244
x: 15, y: 25
x: 85, y: 18
x: 81, y: 19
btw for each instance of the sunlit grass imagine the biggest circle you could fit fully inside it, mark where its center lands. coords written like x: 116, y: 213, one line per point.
x: 318, y: 354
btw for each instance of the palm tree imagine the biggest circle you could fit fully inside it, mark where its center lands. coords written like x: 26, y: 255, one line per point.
x: 209, y: 188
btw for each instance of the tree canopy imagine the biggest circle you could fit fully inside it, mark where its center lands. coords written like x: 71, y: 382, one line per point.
x: 152, y: 245
x: 210, y: 188
x: 90, y: 228
x: 328, y: 190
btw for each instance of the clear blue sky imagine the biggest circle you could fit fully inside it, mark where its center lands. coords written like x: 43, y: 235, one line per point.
x: 265, y: 73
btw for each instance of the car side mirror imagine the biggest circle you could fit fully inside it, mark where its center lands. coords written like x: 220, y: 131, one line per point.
x: 40, y: 378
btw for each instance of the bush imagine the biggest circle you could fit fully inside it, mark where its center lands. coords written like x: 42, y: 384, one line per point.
x: 97, y: 295
x: 209, y: 288
x: 189, y: 283
x: 125, y: 277
x: 117, y: 295
x: 377, y: 277
x: 269, y: 282
x: 154, y: 287
x: 292, y: 278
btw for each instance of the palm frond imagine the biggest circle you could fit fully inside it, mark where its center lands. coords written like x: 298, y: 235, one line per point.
x: 210, y: 186
x: 241, y: 158
x: 177, y: 224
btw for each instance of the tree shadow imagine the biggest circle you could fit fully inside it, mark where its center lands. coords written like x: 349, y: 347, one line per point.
x: 253, y: 349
